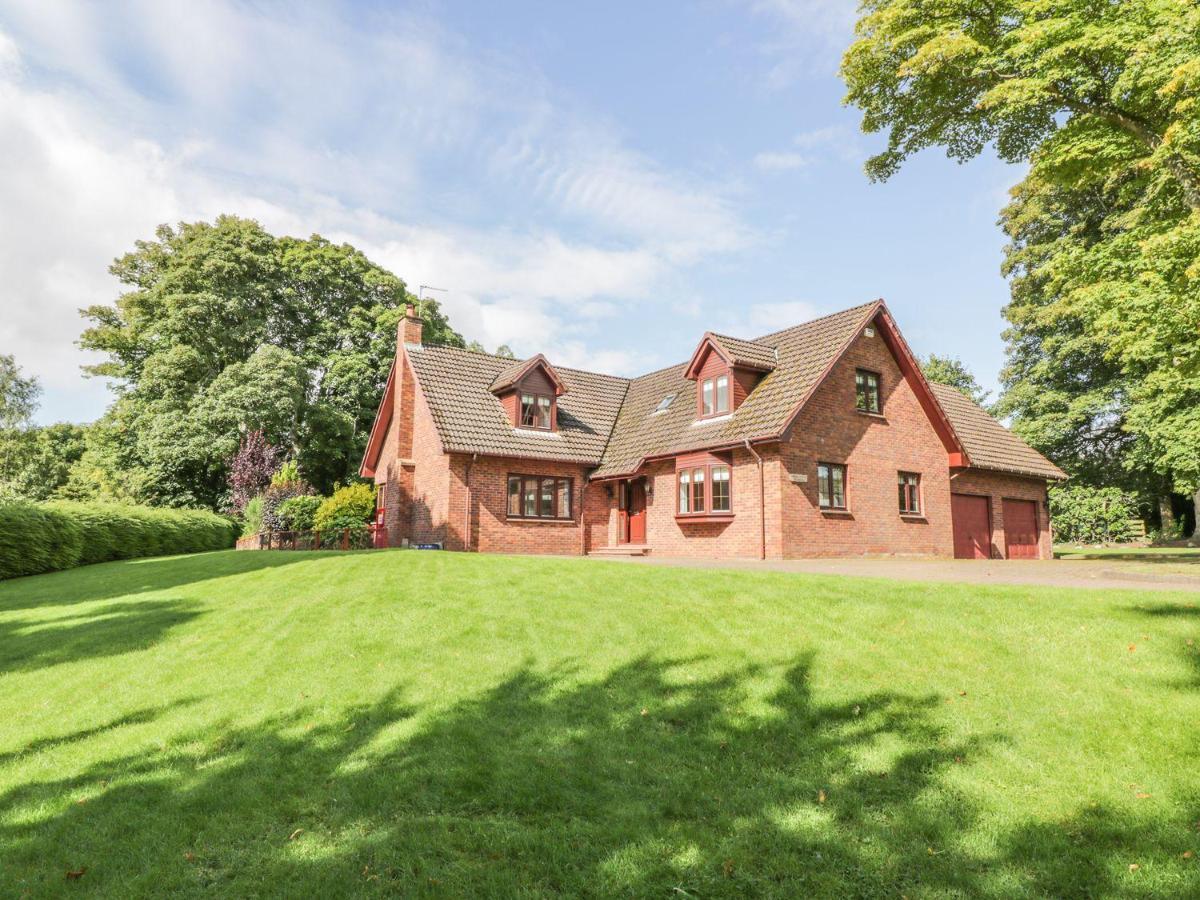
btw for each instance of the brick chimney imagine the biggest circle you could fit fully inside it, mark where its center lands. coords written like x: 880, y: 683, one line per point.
x: 409, y: 331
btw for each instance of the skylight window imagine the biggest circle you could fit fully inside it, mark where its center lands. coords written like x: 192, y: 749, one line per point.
x: 664, y: 403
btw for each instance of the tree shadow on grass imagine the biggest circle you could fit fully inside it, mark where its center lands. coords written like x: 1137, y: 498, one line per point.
x: 103, y: 631
x: 104, y: 581
x: 651, y: 781
x: 1191, y: 648
x: 136, y: 717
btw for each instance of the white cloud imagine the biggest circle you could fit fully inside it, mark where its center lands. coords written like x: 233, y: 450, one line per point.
x: 780, y: 161
x: 810, y: 37
x: 829, y: 142
x: 764, y: 318
x: 397, y: 138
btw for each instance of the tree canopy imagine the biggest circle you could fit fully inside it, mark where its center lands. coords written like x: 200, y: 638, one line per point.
x: 1102, y: 100
x: 226, y: 329
x: 18, y: 394
x: 953, y: 371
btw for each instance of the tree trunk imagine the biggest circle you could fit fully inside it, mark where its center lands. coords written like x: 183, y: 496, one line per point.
x: 1166, y: 514
x: 1196, y: 504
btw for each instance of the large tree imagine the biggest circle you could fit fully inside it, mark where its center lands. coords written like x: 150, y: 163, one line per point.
x: 226, y: 328
x: 952, y: 371
x: 35, y: 462
x: 1102, y: 100
x: 18, y: 394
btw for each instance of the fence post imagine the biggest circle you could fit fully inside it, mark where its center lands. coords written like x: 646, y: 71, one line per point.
x: 346, y: 539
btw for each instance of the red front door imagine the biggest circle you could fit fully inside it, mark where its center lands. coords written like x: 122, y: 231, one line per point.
x: 1020, y: 529
x: 972, y: 517
x: 637, y: 511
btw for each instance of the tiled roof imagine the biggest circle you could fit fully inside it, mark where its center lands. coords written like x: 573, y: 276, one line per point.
x: 509, y: 376
x: 749, y: 354
x: 989, y: 444
x: 457, y: 385
x: 614, y: 423
x: 805, y: 352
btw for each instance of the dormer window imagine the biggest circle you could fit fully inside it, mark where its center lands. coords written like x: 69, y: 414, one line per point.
x: 714, y: 393
x: 528, y: 392
x: 536, y: 411
x: 726, y: 371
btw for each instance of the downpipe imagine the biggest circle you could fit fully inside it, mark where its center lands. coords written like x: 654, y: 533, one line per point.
x: 762, y: 503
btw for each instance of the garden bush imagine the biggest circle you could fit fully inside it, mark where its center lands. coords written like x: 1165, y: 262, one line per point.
x: 252, y: 517
x: 36, y: 539
x: 285, y: 484
x: 349, y: 507
x: 58, y: 535
x: 297, y: 513
x: 1090, y: 515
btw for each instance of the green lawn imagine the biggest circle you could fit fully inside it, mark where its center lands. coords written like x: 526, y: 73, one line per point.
x: 1128, y: 551
x: 331, y: 724
x: 1126, y: 558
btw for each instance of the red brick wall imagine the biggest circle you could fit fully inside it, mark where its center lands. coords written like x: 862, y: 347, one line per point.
x: 668, y: 536
x: 431, y: 517
x: 873, y: 449
x: 997, y: 486
x: 491, y: 529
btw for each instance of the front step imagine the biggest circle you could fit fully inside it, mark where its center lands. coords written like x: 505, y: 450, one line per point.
x: 621, y: 550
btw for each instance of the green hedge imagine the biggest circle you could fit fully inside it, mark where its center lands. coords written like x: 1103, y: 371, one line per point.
x: 44, y: 537
x: 1090, y: 515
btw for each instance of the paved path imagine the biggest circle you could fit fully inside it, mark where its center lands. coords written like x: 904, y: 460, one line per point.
x: 1096, y: 573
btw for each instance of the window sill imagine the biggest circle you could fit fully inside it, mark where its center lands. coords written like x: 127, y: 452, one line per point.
x: 837, y: 513
x: 871, y: 415
x: 529, y: 429
x: 914, y: 517
x: 683, y: 518
x: 536, y: 520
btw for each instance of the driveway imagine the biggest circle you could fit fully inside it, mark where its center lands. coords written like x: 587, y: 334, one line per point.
x: 1074, y: 573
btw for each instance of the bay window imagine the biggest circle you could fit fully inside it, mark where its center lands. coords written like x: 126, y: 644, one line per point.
x: 704, y: 489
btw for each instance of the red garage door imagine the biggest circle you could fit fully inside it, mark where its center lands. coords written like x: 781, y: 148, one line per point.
x: 1020, y: 529
x: 972, y: 526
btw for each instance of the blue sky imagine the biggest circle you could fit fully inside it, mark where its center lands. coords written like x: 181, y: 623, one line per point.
x: 601, y: 182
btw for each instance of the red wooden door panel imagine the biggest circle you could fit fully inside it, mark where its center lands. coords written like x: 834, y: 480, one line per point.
x: 1020, y: 529
x: 637, y: 512
x: 972, y: 526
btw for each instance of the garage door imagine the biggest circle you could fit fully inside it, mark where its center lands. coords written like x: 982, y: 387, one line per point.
x: 1020, y: 529
x: 972, y: 526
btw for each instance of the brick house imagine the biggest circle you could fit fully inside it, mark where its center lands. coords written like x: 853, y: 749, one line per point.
x: 823, y: 439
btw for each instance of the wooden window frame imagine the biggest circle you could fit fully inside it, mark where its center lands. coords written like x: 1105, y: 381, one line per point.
x: 537, y: 398
x: 830, y: 507
x: 705, y: 471
x: 539, y: 481
x: 861, y: 397
x: 728, y: 482
x: 903, y: 495
x: 711, y: 382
